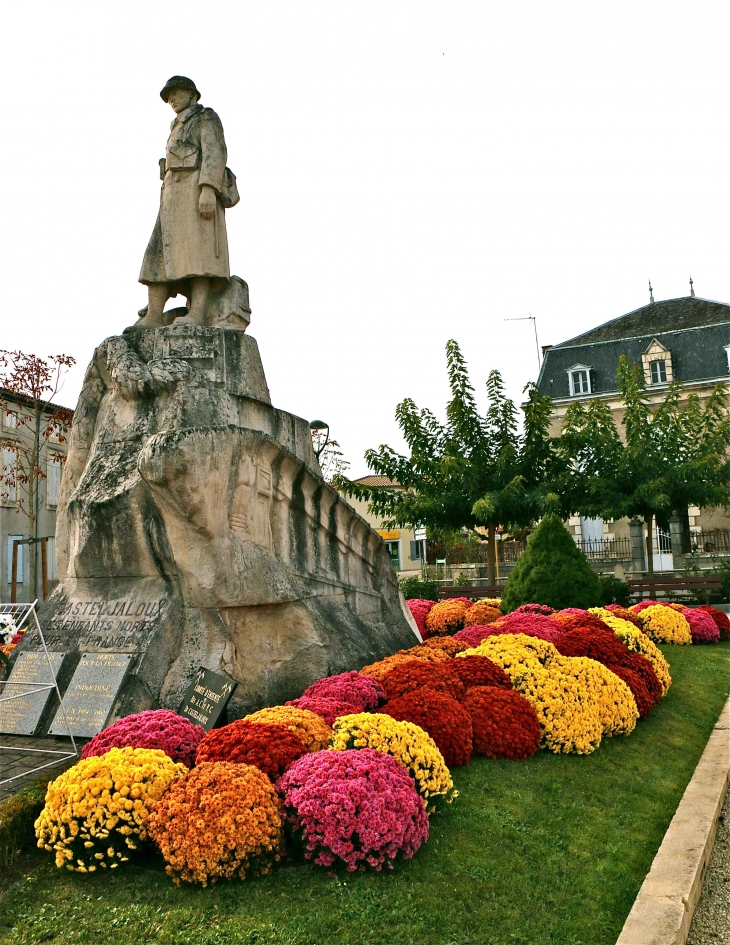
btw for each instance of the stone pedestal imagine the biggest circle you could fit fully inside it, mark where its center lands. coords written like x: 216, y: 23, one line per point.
x: 195, y: 529
x: 638, y: 546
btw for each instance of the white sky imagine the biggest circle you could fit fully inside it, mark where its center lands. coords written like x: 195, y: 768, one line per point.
x: 409, y: 172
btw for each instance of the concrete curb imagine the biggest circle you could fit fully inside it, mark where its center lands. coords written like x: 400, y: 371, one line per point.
x: 662, y: 912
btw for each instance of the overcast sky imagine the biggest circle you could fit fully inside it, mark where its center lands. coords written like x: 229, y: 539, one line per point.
x: 409, y: 173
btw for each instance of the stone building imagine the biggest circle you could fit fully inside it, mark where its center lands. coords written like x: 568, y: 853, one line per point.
x: 406, y: 546
x: 685, y: 339
x: 14, y: 521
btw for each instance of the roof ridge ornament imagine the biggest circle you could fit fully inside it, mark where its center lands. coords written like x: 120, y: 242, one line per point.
x: 651, y: 293
x: 691, y: 288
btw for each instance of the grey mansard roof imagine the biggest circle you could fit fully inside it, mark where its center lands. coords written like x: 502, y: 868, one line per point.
x: 695, y: 330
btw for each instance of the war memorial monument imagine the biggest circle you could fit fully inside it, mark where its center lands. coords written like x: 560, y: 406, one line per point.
x: 195, y: 530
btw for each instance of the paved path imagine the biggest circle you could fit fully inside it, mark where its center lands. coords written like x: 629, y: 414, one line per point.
x: 14, y: 761
x: 711, y: 922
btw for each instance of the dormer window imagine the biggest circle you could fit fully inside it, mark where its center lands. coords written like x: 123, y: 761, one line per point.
x: 658, y: 372
x: 579, y: 380
x: 657, y: 362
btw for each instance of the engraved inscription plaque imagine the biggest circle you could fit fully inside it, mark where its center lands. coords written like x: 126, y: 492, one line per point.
x: 206, y: 698
x: 20, y: 716
x: 90, y: 696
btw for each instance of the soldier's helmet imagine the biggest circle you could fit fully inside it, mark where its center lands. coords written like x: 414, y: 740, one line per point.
x: 178, y: 82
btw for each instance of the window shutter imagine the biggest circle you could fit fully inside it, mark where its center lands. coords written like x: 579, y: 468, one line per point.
x: 53, y: 482
x: 8, y: 488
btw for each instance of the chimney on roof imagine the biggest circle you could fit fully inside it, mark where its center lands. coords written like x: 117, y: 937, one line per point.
x: 691, y: 288
x: 651, y: 292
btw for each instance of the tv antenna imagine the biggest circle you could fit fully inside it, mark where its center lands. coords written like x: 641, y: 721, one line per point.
x: 529, y: 318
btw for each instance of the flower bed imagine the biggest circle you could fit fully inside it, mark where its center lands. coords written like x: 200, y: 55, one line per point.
x: 218, y: 821
x: 407, y: 743
x: 267, y: 746
x: 97, y: 811
x: 357, y: 808
x: 178, y: 737
x: 504, y: 723
x: 448, y: 724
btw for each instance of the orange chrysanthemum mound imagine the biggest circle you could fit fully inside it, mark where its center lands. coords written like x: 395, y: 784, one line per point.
x: 447, y: 617
x: 448, y: 646
x: 480, y: 671
x: 309, y: 727
x: 381, y: 669
x: 584, y: 621
x: 268, y: 747
x: 218, y: 821
x: 504, y: 723
x: 624, y: 614
x: 482, y: 613
x: 441, y: 677
x: 448, y: 724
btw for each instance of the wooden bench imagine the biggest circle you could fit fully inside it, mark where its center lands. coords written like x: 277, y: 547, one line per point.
x: 685, y: 588
x: 472, y: 591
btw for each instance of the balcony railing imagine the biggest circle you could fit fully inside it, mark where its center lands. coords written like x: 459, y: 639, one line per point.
x: 614, y: 549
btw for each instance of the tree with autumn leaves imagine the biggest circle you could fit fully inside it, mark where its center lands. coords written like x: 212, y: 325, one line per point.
x: 28, y: 385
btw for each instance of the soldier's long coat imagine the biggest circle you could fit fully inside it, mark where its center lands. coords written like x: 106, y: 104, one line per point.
x: 184, y: 245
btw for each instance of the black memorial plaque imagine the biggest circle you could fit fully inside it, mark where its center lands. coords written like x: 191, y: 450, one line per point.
x: 91, y: 693
x: 22, y: 708
x: 206, y: 698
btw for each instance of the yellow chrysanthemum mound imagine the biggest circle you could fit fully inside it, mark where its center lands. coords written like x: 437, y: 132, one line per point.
x: 576, y: 699
x: 96, y: 812
x: 309, y: 727
x: 637, y: 642
x: 492, y: 601
x: 664, y: 625
x: 407, y: 743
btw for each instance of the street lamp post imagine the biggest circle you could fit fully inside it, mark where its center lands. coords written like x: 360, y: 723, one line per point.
x: 317, y: 426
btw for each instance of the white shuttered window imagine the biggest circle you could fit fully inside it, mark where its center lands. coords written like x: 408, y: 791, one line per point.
x: 53, y: 480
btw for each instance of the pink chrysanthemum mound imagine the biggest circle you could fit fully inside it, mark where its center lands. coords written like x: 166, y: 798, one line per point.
x: 364, y: 692
x: 474, y: 635
x: 178, y: 737
x: 721, y: 619
x: 327, y: 709
x: 420, y: 609
x: 701, y: 625
x: 544, y: 609
x: 359, y: 808
x: 533, y: 625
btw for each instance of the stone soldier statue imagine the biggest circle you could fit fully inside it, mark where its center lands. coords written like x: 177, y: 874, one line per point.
x: 188, y: 249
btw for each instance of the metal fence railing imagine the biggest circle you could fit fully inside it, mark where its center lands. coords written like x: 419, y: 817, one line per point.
x: 715, y: 541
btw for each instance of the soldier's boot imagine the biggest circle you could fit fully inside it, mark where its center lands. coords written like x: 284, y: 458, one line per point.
x: 157, y: 296
x: 197, y: 303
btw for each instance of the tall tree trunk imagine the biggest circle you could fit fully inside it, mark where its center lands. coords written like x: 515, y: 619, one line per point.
x: 649, y: 519
x: 491, y: 555
x: 33, y: 503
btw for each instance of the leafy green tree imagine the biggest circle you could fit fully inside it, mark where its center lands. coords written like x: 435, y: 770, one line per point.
x: 671, y: 456
x: 553, y: 570
x: 470, y: 471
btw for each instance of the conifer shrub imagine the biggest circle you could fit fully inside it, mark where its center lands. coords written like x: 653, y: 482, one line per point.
x: 553, y: 570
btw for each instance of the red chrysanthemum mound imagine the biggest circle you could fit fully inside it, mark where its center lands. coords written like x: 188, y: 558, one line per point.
x: 643, y: 668
x: 531, y: 624
x: 480, y: 671
x: 599, y: 645
x: 359, y: 808
x: 638, y: 689
x: 448, y: 724
x: 580, y: 621
x: 504, y: 723
x: 482, y: 613
x: 327, y: 709
x: 415, y: 674
x: 177, y: 736
x: 701, y: 625
x: 473, y: 636
x: 624, y: 613
x: 420, y: 609
x: 364, y: 692
x: 543, y: 609
x: 267, y: 746
x: 721, y: 619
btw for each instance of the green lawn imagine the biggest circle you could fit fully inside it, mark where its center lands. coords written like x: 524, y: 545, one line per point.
x: 550, y: 850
